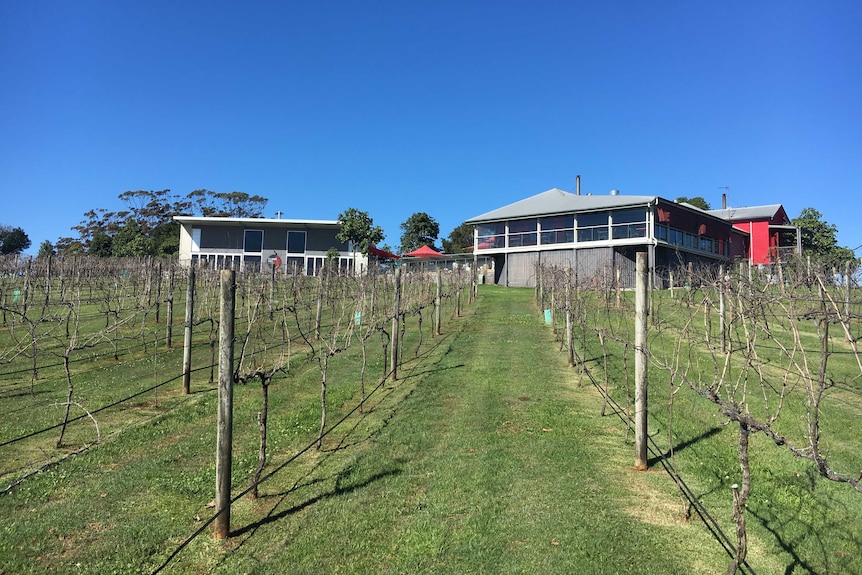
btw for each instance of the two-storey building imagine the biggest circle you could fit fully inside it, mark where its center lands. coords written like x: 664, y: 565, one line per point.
x: 599, y: 235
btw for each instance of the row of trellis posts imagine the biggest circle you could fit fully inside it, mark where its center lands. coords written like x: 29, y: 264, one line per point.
x: 777, y: 277
x: 69, y: 278
x: 227, y: 298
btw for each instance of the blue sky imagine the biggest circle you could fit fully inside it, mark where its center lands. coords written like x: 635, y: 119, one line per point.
x: 450, y: 108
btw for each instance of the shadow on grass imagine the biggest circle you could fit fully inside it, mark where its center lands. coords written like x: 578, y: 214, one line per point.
x: 814, y: 521
x: 436, y: 369
x: 687, y: 443
x: 337, y: 491
x: 14, y: 393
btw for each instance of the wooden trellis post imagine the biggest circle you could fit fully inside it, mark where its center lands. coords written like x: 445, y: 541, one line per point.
x: 722, y: 312
x: 318, y: 314
x: 169, y: 327
x: 437, y: 303
x: 641, y: 410
x: 187, y: 339
x: 224, y: 438
x: 570, y: 332
x: 396, y: 327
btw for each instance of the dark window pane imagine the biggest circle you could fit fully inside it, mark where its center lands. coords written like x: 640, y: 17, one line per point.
x: 593, y: 234
x: 253, y: 240
x: 519, y: 240
x: 558, y: 222
x: 491, y: 229
x: 296, y: 242
x: 516, y: 226
x: 625, y: 231
x: 628, y: 216
x: 595, y: 219
x: 294, y: 265
x: 251, y: 263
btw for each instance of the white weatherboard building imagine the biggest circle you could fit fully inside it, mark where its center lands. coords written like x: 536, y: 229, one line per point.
x: 257, y: 243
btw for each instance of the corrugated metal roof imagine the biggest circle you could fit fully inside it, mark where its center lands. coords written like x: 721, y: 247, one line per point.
x: 556, y: 201
x: 747, y: 213
x: 252, y: 221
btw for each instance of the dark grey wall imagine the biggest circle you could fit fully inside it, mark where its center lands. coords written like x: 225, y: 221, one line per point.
x: 221, y: 238
x: 274, y: 238
x: 322, y: 240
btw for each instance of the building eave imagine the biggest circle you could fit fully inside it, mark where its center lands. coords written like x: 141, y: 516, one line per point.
x: 246, y: 222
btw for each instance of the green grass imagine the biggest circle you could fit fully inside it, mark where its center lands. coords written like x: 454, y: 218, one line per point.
x: 492, y: 463
x: 488, y: 455
x: 797, y: 521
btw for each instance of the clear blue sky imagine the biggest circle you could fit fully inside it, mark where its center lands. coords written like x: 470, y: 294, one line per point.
x: 450, y: 108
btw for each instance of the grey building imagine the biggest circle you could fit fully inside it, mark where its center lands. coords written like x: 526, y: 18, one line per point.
x: 599, y: 235
x: 255, y: 243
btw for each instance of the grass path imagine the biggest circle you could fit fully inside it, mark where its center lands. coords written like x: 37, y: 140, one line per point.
x: 495, y: 462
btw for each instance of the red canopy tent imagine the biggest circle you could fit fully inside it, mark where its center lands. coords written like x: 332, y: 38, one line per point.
x: 424, y: 252
x: 382, y: 253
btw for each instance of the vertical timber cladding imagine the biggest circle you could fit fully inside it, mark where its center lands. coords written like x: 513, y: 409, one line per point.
x: 596, y: 266
x: 563, y: 259
x: 521, y: 269
x: 625, y: 258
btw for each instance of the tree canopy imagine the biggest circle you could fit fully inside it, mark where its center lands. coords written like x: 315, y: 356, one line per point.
x: 419, y: 230
x: 819, y: 238
x: 358, y: 227
x: 146, y: 227
x: 696, y: 201
x: 460, y: 240
x: 13, y: 240
x: 46, y: 249
x: 227, y: 204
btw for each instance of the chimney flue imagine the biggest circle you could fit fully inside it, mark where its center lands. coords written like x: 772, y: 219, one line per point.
x: 723, y: 201
x: 577, y: 185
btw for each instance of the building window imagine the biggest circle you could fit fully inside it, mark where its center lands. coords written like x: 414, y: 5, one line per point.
x: 296, y: 242
x: 217, y: 261
x: 345, y: 264
x: 558, y: 229
x: 629, y: 224
x: 313, y: 265
x: 251, y: 263
x: 293, y: 265
x: 253, y: 241
x: 593, y: 227
x: 661, y: 232
x: 522, y: 233
x: 196, y: 239
x: 690, y: 241
x: 491, y: 236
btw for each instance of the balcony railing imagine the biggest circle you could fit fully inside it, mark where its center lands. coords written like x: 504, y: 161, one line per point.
x: 782, y: 254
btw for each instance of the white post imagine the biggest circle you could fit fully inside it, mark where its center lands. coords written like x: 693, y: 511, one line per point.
x: 641, y: 410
